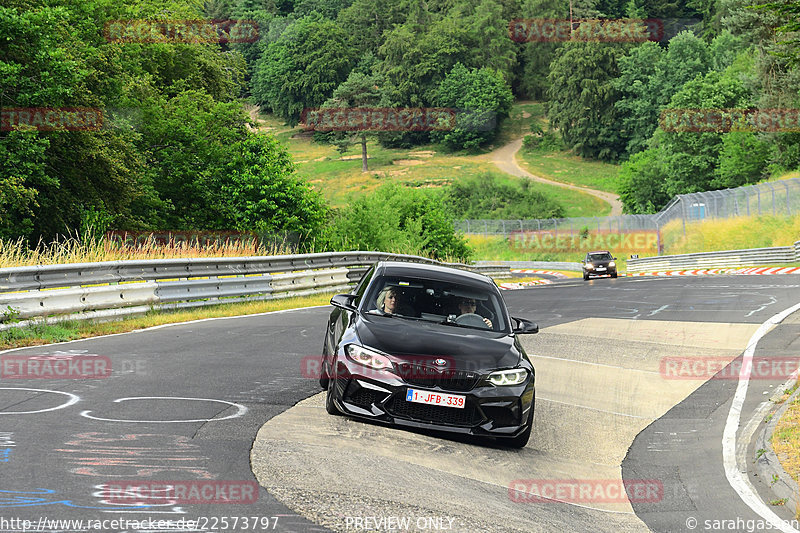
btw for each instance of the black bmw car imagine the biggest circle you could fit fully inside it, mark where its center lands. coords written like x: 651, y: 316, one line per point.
x: 429, y: 347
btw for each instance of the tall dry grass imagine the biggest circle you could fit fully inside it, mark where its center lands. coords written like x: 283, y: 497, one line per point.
x: 88, y: 248
x: 730, y: 234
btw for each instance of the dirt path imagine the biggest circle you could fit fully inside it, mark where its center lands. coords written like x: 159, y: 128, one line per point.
x: 505, y: 159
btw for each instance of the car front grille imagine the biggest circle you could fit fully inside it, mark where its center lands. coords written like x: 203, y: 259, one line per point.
x: 446, y: 379
x: 435, y: 414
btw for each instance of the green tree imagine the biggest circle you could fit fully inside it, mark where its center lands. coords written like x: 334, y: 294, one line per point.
x: 582, y: 98
x: 188, y: 139
x: 482, y: 100
x: 366, y: 21
x: 642, y: 181
x: 397, y: 219
x: 260, y: 192
x: 302, y: 68
x: 743, y: 159
x: 691, y: 157
x: 488, y: 196
x: 490, y: 43
x: 359, y: 90
x: 21, y: 176
x: 650, y: 76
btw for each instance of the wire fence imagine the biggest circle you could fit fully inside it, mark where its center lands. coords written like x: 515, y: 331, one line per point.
x: 777, y: 198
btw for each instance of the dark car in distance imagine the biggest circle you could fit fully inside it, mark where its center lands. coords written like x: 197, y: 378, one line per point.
x: 429, y: 347
x: 600, y: 263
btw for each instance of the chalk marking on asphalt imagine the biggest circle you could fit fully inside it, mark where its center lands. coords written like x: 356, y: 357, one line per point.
x: 754, y: 311
x: 73, y: 399
x: 536, y: 356
x: 241, y: 410
x: 735, y: 476
x: 594, y: 409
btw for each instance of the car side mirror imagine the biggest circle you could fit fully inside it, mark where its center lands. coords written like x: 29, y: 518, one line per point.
x: 524, y: 326
x: 344, y: 301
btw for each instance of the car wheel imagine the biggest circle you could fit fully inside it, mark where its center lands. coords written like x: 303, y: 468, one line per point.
x: 522, y: 439
x: 585, y: 276
x: 614, y: 275
x: 330, y: 407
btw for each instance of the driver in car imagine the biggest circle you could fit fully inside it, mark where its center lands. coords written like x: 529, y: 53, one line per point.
x: 468, y: 306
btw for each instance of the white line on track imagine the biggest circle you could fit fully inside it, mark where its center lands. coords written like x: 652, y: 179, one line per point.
x: 737, y: 478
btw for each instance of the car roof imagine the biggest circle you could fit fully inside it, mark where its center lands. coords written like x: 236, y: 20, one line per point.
x: 599, y: 252
x: 435, y: 272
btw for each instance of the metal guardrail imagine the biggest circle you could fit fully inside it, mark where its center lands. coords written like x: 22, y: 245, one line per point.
x: 728, y: 258
x: 123, y: 288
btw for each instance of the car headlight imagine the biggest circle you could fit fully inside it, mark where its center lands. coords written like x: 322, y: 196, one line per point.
x: 588, y: 266
x: 508, y: 377
x: 365, y: 356
x: 612, y: 264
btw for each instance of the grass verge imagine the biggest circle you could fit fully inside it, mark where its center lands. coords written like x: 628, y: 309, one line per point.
x: 786, y: 439
x: 569, y: 168
x: 34, y: 335
x: 730, y: 234
x: 339, y: 177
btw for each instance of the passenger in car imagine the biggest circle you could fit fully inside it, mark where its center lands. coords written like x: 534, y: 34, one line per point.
x: 470, y: 306
x: 391, y: 300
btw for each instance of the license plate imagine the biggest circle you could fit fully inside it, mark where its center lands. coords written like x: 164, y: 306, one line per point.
x: 601, y: 268
x: 435, y: 398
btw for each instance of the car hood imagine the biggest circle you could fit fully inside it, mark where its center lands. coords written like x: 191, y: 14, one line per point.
x: 467, y: 348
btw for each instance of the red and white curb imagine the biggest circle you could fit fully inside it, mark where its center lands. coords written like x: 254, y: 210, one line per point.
x: 511, y: 286
x: 548, y: 272
x: 754, y: 271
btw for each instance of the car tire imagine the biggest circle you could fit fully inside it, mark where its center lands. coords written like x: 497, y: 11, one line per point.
x: 614, y: 275
x: 522, y: 439
x: 585, y: 276
x: 330, y: 407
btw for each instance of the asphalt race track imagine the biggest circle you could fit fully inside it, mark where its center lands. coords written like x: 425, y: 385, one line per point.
x: 211, y: 407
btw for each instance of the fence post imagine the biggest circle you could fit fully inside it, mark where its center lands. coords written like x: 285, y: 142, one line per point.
x: 683, y: 216
x: 788, y: 208
x: 771, y: 188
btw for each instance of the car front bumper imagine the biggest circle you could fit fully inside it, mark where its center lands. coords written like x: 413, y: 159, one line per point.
x: 488, y: 411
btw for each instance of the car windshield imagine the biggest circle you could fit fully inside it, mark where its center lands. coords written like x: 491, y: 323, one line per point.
x: 436, y: 301
x: 599, y: 257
